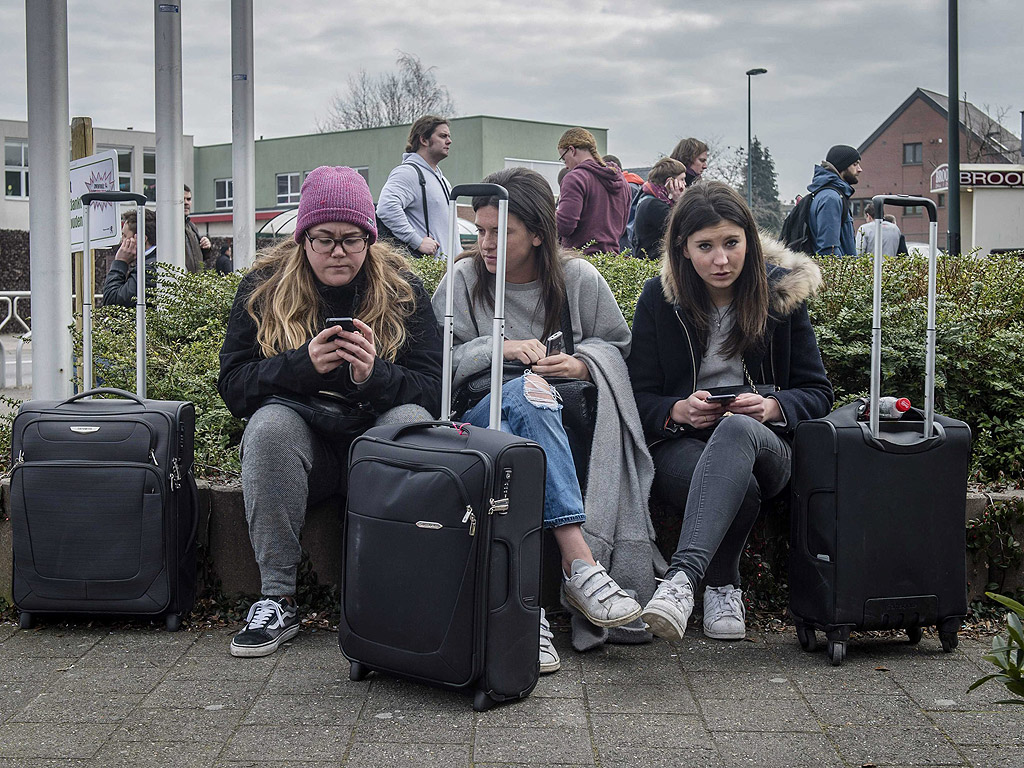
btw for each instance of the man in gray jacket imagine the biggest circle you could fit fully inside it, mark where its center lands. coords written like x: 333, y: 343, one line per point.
x: 414, y: 201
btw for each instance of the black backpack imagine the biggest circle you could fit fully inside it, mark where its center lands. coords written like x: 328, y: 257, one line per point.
x: 796, y: 229
x: 384, y: 231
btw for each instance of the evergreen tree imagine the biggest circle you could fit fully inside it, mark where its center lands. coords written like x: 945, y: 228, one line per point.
x: 767, y: 211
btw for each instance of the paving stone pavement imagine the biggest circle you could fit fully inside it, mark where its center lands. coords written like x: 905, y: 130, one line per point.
x: 82, y: 695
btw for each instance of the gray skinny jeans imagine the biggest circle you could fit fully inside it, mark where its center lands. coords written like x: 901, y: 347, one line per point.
x: 722, y: 482
x: 287, y: 467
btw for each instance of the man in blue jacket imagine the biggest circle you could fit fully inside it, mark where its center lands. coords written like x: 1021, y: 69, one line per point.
x: 830, y: 218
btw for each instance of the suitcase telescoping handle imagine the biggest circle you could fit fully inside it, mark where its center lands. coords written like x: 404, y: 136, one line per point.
x: 498, y: 324
x: 140, y: 291
x: 878, y: 203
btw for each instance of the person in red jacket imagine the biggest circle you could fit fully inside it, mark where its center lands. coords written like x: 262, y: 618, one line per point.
x: 593, y: 203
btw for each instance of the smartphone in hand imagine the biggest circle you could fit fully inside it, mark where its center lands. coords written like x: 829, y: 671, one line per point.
x: 555, y: 344
x: 727, y: 398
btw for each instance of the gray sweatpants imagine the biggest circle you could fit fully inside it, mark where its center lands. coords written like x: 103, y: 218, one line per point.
x: 285, y: 468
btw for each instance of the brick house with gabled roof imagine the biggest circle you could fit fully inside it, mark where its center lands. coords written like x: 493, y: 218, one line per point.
x: 899, y: 156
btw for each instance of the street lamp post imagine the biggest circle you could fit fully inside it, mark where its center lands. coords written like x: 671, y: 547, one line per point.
x: 750, y: 172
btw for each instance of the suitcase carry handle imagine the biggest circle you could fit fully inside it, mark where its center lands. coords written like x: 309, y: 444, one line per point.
x: 401, y: 429
x: 124, y: 394
x: 498, y: 324
x: 140, y: 286
x: 878, y: 203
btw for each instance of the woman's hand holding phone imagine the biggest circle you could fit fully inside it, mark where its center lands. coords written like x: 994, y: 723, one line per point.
x: 526, y: 351
x: 335, y: 345
x: 696, y: 411
x: 764, y: 409
x: 563, y: 366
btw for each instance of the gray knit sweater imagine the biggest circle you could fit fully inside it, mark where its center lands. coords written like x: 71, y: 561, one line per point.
x: 592, y: 307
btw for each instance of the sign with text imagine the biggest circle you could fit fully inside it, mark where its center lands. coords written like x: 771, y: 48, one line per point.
x: 1010, y: 176
x: 96, y: 173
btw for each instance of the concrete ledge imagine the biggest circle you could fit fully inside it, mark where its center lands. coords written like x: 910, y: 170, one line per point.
x: 224, y: 542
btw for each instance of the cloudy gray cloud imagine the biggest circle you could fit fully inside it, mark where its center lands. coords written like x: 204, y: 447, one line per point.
x: 651, y: 72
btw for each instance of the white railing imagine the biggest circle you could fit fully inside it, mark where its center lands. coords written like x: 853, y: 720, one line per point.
x: 10, y: 300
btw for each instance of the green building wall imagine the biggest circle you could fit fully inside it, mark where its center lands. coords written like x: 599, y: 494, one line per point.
x: 480, y: 145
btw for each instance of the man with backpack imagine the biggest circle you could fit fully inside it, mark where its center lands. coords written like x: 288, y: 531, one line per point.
x: 413, y: 204
x: 828, y: 216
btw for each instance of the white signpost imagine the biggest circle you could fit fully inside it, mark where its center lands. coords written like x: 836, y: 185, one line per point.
x: 96, y: 173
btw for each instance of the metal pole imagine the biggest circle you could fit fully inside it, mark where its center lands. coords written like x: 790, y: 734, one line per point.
x: 49, y: 137
x: 170, y: 174
x: 953, y: 133
x: 750, y: 166
x: 243, y: 145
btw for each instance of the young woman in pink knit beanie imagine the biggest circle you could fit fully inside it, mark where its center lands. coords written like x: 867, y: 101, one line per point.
x: 280, y: 352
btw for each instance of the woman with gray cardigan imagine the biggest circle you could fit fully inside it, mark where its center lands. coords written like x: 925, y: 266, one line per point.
x: 540, y: 278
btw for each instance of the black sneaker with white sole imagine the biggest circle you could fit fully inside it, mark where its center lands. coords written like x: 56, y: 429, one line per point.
x: 270, y: 622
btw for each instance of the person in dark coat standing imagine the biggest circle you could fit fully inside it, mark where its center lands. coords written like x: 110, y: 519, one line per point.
x: 198, y: 248
x: 830, y: 219
x: 728, y: 310
x: 120, y: 286
x: 665, y: 184
x: 278, y: 342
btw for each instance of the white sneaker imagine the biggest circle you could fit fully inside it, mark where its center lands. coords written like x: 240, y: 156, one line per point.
x: 670, y: 608
x: 549, y: 661
x: 595, y: 594
x: 724, y: 613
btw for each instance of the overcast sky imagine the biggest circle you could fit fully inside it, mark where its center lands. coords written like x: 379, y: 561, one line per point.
x: 651, y: 72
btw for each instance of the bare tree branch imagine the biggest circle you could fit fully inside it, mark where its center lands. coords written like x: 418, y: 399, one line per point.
x: 392, y: 98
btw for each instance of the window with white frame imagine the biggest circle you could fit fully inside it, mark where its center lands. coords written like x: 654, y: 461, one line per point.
x: 224, y: 193
x: 363, y: 171
x: 288, y: 187
x: 547, y: 168
x: 149, y: 174
x: 15, y: 168
x: 124, y: 166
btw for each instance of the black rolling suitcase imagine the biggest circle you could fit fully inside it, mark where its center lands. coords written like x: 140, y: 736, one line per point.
x: 878, y: 506
x: 104, y: 507
x: 442, y: 542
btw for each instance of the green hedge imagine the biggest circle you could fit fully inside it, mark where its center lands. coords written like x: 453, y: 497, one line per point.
x: 980, y: 363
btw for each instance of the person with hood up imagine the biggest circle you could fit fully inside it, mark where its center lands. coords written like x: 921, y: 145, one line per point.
x: 728, y: 312
x: 593, y: 202
x: 830, y: 218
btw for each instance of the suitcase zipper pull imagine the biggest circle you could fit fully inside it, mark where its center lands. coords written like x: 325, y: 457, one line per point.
x: 498, y: 505
x: 471, y: 519
x: 175, y: 474
x: 152, y: 457
x: 20, y: 460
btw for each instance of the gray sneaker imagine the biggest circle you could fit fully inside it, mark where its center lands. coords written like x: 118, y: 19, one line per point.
x: 549, y: 661
x: 595, y: 594
x: 670, y: 608
x: 724, y: 613
x: 270, y: 622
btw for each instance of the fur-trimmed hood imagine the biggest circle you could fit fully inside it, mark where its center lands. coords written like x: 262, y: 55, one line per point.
x: 793, y: 278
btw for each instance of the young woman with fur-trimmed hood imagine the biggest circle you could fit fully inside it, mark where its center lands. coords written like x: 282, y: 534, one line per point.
x: 727, y: 312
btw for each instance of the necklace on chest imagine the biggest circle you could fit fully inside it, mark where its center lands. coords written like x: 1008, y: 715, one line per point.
x: 718, y: 315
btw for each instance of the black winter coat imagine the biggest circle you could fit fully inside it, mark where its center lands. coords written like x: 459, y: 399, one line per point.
x: 664, y: 362
x: 247, y: 377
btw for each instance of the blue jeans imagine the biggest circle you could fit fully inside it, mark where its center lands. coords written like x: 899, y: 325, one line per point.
x: 721, y: 483
x: 563, y: 502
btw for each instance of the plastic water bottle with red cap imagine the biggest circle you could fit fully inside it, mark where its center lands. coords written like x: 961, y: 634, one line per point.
x: 890, y: 408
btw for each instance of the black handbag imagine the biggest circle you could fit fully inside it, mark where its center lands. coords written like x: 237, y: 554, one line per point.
x: 331, y: 416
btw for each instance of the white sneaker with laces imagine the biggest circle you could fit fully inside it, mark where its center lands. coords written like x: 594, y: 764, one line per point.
x: 270, y: 622
x: 595, y: 594
x: 724, y: 613
x: 670, y: 607
x: 549, y: 661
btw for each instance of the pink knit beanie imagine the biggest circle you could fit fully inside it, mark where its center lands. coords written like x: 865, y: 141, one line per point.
x: 335, y: 194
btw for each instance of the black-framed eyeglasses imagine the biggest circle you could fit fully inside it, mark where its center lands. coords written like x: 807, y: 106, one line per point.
x: 353, y: 245
x: 561, y: 157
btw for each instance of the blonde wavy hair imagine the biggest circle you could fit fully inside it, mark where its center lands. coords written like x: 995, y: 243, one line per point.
x: 286, y: 306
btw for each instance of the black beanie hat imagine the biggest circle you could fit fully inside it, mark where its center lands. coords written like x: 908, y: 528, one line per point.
x: 842, y: 157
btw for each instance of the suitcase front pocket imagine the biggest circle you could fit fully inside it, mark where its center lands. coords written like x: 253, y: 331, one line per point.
x: 87, y: 530
x: 410, y: 562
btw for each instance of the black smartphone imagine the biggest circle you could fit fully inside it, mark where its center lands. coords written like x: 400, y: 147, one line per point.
x: 345, y: 323
x: 727, y: 398
x: 554, y: 344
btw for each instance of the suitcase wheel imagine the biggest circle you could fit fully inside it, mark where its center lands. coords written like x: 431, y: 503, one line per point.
x: 914, y: 634
x: 836, y: 652
x: 26, y: 620
x: 482, y: 702
x: 172, y: 622
x: 808, y: 638
x: 949, y: 641
x: 357, y: 671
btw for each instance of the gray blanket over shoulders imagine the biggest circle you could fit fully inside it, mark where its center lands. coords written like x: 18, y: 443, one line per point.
x: 618, y: 527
